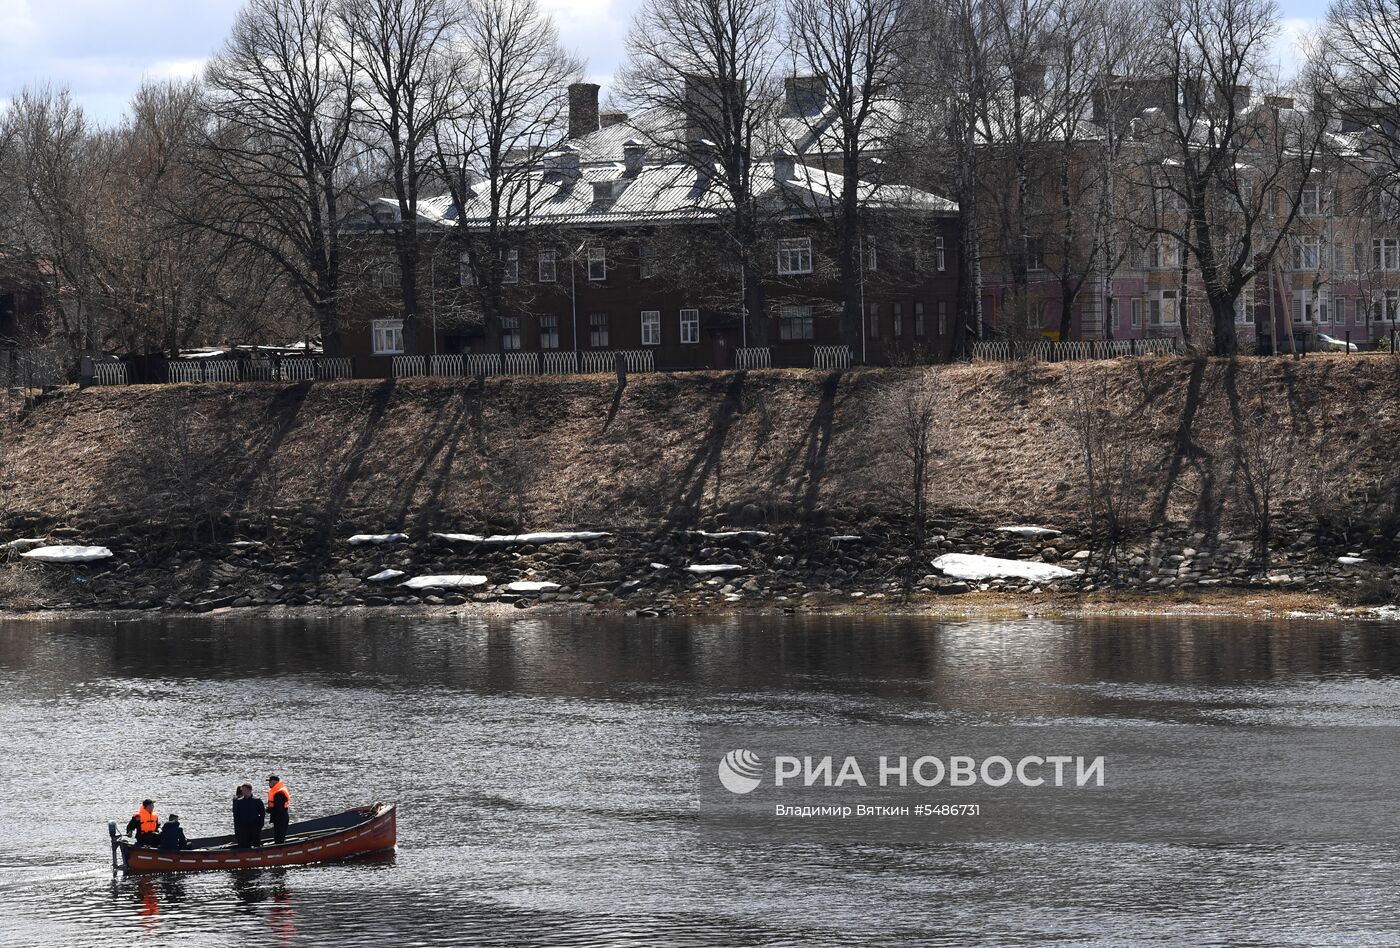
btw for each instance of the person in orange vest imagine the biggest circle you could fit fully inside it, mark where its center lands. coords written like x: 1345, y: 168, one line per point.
x: 279, y: 801
x: 144, y: 824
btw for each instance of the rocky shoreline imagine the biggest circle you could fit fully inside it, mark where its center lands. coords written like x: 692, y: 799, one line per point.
x: 866, y: 566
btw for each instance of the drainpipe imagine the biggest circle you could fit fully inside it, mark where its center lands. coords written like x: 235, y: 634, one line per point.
x: 860, y: 268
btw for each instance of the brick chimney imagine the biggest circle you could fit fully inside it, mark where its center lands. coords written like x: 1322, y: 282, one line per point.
x: 583, y: 109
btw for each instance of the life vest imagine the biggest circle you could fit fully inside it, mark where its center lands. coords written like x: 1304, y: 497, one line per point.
x: 147, y: 820
x: 276, y: 788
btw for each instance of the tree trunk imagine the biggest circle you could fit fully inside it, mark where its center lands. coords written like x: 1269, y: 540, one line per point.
x: 1222, y: 311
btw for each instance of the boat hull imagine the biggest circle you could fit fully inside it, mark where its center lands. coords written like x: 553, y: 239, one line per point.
x: 376, y: 832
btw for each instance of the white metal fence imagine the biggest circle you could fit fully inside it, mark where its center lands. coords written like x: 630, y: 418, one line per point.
x: 753, y: 358
x: 109, y: 373
x: 203, y: 370
x: 605, y: 360
x: 831, y: 357
x: 522, y: 363
x: 406, y: 367
x: 1045, y: 350
x: 560, y: 363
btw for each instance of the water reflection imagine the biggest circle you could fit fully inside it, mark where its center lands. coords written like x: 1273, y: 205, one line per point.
x: 544, y: 772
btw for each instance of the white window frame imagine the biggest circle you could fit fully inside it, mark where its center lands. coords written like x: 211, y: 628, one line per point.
x: 939, y: 256
x: 512, y: 335
x: 1310, y: 201
x: 651, y: 327
x: 510, y: 266
x: 549, y: 266
x: 920, y: 329
x: 646, y: 266
x: 799, y: 317
x: 465, y: 272
x: 1136, y: 309
x: 872, y: 256
x: 1385, y: 253
x: 1307, y: 252
x: 897, y: 320
x: 386, y: 336
x: 794, y: 255
x: 690, y: 326
x: 549, y: 331
x: 597, y: 264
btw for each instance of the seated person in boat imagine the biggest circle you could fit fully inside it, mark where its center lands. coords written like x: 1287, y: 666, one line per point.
x: 172, y: 837
x: 248, y: 817
x: 143, y: 826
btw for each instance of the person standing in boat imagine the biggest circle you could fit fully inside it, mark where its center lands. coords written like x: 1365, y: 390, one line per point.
x: 279, y: 801
x: 248, y: 817
x: 144, y: 824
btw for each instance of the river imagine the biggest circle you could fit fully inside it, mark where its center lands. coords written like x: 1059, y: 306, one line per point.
x: 545, y: 770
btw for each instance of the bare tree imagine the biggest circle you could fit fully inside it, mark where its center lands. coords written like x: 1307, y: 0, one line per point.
x: 911, y: 412
x: 278, y: 152
x: 405, y: 57
x: 855, y: 50
x: 1225, y: 173
x: 514, y: 83
x: 707, y: 72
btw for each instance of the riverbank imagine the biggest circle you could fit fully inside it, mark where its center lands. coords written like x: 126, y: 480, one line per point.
x: 252, y: 496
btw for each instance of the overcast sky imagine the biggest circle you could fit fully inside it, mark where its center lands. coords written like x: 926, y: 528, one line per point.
x: 102, y: 49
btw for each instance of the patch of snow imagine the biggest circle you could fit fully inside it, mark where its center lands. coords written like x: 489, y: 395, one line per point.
x: 530, y: 586
x: 24, y: 543
x: 244, y: 544
x: 973, y: 567
x: 384, y: 575
x: 444, y: 581
x: 68, y: 554
x: 376, y: 539
x: 1029, y: 533
x: 845, y: 538
x: 534, y: 538
x: 715, y: 568
x: 659, y: 566
x: 1351, y: 560
x: 731, y: 534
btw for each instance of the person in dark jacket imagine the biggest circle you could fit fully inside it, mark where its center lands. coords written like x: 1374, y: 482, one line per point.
x: 172, y: 838
x: 248, y: 817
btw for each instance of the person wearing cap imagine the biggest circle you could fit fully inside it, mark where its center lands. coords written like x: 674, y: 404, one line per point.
x: 144, y: 824
x: 172, y: 837
x: 279, y: 801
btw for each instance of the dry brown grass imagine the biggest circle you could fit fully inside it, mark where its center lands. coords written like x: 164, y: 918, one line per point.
x: 554, y: 452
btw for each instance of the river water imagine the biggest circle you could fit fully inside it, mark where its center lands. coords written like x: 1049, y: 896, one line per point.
x: 545, y: 771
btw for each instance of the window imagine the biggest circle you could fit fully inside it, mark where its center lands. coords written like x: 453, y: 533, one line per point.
x: 1385, y: 254
x: 387, y: 276
x: 549, y: 266
x: 1164, y: 253
x: 1165, y: 314
x: 1115, y: 316
x: 387, y: 335
x: 897, y: 319
x: 1244, y: 305
x: 918, y: 320
x: 465, y: 271
x: 872, y: 258
x: 549, y: 332
x: 597, y: 264
x: 795, y: 255
x: 1033, y: 255
x: 510, y: 266
x: 1306, y: 252
x: 938, y: 256
x: 874, y: 320
x: 795, y: 323
x: 1384, y: 305
x: 690, y: 326
x: 510, y: 333
x: 1310, y: 204
x: 651, y: 327
x: 646, y: 267
x: 943, y: 317
x: 598, y: 330
x: 1303, y: 308
x: 1324, y: 309
x: 1137, y: 314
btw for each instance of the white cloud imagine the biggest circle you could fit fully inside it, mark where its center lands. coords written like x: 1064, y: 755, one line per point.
x: 1291, y: 45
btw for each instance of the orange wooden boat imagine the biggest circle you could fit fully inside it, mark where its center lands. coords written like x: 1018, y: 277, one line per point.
x: 366, y: 829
